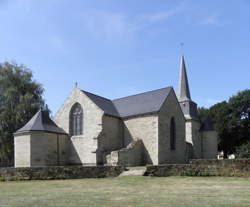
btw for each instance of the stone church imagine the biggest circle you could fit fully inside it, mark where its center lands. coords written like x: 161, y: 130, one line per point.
x: 155, y: 127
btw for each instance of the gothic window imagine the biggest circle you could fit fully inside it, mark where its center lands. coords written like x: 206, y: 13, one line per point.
x: 172, y: 134
x: 76, y: 120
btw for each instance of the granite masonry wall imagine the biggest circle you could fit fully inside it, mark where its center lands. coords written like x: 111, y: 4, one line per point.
x: 82, y: 149
x: 225, y: 168
x: 111, y: 139
x: 166, y: 155
x: 193, y: 136
x: 209, y: 144
x: 144, y: 128
x: 48, y: 149
x: 40, y: 149
x: 22, y: 150
x: 132, y: 155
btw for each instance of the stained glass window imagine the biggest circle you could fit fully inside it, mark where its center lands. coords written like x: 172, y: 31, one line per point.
x: 76, y: 120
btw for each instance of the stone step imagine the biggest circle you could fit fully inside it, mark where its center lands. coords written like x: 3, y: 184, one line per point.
x: 133, y: 172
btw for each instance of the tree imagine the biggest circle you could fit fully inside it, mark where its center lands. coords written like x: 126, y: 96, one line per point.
x: 240, y: 108
x: 202, y: 113
x: 220, y: 114
x: 232, y: 121
x: 20, y: 99
x: 243, y: 151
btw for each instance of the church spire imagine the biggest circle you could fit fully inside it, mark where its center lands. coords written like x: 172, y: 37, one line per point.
x: 183, y: 90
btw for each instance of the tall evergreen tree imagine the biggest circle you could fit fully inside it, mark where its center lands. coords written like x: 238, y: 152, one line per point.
x: 20, y: 99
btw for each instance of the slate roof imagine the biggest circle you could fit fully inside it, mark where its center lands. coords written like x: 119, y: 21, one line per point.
x: 41, y: 122
x: 105, y: 104
x: 142, y: 103
x: 138, y: 104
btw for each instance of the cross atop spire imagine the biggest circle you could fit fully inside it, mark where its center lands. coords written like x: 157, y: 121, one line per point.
x: 183, y: 90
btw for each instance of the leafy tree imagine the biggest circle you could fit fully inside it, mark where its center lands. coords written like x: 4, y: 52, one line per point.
x: 220, y: 114
x: 243, y: 151
x: 232, y: 121
x: 20, y: 99
x: 240, y: 108
x: 202, y: 112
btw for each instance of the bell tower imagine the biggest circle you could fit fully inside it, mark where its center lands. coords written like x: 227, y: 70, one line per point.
x: 189, y: 109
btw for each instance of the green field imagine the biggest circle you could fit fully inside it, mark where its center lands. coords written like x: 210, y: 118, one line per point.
x: 128, y: 191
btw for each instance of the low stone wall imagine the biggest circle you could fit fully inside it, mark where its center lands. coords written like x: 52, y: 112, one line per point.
x: 225, y: 168
x: 62, y: 172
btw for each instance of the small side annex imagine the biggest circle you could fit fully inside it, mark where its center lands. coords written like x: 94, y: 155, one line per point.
x: 40, y: 143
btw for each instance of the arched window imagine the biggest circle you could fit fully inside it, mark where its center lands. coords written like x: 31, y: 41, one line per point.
x: 76, y: 120
x: 172, y: 134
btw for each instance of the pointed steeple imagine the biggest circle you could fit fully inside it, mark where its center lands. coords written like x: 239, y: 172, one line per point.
x: 183, y: 90
x: 189, y: 108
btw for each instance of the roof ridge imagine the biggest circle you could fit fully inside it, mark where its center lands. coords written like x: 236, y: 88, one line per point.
x: 96, y: 95
x: 141, y: 93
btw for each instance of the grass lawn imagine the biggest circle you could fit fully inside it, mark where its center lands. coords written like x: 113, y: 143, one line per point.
x: 128, y: 191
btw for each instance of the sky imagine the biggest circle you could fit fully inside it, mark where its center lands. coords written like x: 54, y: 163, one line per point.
x: 116, y: 48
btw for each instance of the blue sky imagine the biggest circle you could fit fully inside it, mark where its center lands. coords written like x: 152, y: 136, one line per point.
x: 116, y: 48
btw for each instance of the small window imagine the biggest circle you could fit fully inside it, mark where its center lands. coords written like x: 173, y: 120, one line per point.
x: 76, y: 120
x: 172, y: 134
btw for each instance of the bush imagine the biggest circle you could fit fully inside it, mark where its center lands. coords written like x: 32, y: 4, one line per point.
x: 243, y: 151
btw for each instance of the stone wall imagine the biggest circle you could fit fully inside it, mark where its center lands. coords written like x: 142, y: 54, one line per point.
x: 171, y: 108
x: 193, y: 136
x: 111, y: 139
x: 22, y: 150
x: 209, y: 144
x: 48, y: 149
x: 40, y: 149
x: 225, y: 168
x: 113, y: 133
x: 132, y: 155
x: 68, y: 172
x: 82, y: 148
x: 144, y: 128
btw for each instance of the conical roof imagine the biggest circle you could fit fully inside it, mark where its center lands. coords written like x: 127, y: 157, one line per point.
x: 183, y: 90
x: 41, y: 122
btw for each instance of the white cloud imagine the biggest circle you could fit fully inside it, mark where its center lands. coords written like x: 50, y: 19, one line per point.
x: 111, y: 25
x: 210, y: 20
x: 105, y: 24
x: 154, y: 18
x: 162, y: 15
